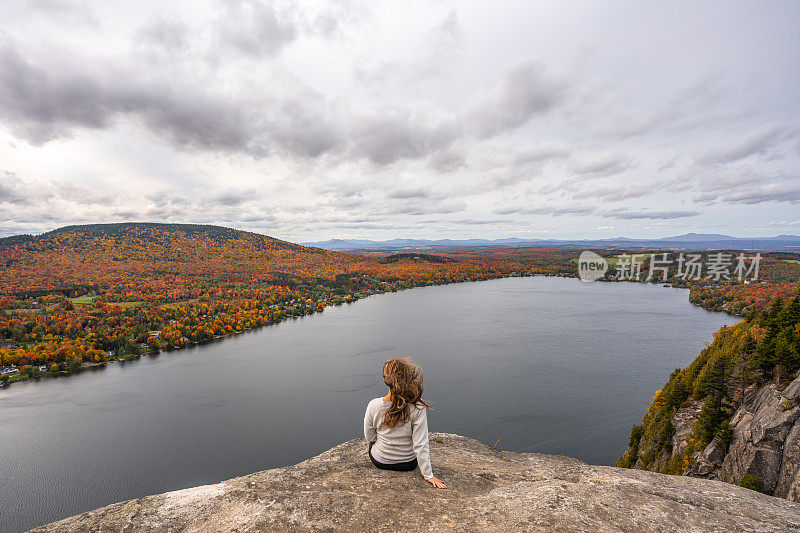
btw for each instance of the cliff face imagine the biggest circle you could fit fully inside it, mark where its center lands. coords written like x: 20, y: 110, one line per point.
x: 732, y: 414
x: 488, y: 490
x: 765, y: 449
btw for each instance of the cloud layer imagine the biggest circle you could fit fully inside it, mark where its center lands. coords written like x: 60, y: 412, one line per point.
x: 309, y: 121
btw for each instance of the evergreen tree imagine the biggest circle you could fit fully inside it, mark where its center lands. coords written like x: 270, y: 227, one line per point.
x: 709, y: 419
x: 786, y: 358
x: 744, y: 365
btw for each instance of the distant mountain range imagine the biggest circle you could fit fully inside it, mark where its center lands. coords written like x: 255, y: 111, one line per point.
x: 694, y: 241
x: 687, y: 241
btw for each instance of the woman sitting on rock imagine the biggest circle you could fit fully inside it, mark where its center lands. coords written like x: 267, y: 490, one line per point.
x: 396, y: 426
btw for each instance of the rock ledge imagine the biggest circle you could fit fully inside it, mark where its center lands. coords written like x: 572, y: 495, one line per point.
x: 489, y: 490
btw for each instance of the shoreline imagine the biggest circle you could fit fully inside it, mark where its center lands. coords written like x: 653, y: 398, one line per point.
x: 101, y: 364
x: 118, y: 359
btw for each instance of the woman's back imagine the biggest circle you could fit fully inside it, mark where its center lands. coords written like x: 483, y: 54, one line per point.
x: 403, y: 442
x: 396, y: 426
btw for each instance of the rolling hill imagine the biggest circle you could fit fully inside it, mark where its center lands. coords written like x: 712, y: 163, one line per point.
x: 86, y: 294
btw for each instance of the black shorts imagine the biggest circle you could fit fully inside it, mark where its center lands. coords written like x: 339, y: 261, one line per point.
x: 400, y: 467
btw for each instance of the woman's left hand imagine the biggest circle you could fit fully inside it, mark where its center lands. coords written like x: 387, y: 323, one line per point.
x: 436, y: 482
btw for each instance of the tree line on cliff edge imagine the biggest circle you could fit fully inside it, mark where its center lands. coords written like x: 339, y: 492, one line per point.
x: 763, y: 348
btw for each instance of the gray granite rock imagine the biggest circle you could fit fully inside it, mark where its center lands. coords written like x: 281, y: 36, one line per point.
x: 788, y: 485
x: 340, y: 490
x: 682, y: 421
x: 715, y: 452
x: 766, y: 441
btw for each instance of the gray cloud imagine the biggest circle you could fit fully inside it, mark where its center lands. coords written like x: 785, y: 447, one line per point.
x: 448, y: 160
x: 628, y: 214
x: 255, y: 28
x: 446, y: 38
x: 386, y: 137
x: 527, y: 89
x: 232, y: 197
x: 75, y: 193
x: 375, y: 114
x: 41, y: 105
x: 740, y: 185
x: 49, y: 205
x: 694, y: 106
x: 76, y: 11
x: 481, y: 222
x: 350, y: 202
x: 418, y: 207
x: 223, y: 203
x: 610, y: 192
x: 525, y: 164
x: 783, y: 223
x: 603, y: 166
x: 771, y: 192
x: 302, y: 127
x: 16, y: 190
x: 8, y: 189
x: 756, y: 142
x: 171, y: 35
x: 540, y: 154
x: 418, y: 192
x: 257, y: 217
x: 547, y: 209
x: 440, y: 50
x: 39, y: 109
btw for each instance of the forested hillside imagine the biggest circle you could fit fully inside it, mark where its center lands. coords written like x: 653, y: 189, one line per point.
x: 86, y: 294
x: 764, y: 348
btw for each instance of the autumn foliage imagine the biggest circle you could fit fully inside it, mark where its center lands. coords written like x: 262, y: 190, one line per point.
x: 765, y: 347
x: 84, y: 294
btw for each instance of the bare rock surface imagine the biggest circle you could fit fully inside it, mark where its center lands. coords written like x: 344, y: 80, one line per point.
x: 682, y: 421
x: 488, y: 490
x: 765, y: 445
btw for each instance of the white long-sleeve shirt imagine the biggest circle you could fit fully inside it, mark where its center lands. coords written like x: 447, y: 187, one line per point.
x: 401, y: 443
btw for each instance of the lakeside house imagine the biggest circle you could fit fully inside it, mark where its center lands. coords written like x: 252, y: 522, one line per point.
x: 8, y: 370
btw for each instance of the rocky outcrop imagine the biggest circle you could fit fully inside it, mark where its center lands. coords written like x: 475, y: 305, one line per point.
x: 682, y: 421
x: 488, y: 490
x: 765, y: 450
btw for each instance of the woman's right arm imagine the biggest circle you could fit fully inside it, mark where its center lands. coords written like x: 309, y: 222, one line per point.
x: 419, y: 438
x: 369, y: 429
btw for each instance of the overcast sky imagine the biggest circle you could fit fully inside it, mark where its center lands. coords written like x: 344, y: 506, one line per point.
x: 313, y: 120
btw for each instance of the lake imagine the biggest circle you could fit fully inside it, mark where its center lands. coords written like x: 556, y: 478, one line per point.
x: 547, y: 365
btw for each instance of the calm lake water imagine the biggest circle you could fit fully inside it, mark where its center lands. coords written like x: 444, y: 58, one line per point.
x: 548, y: 365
